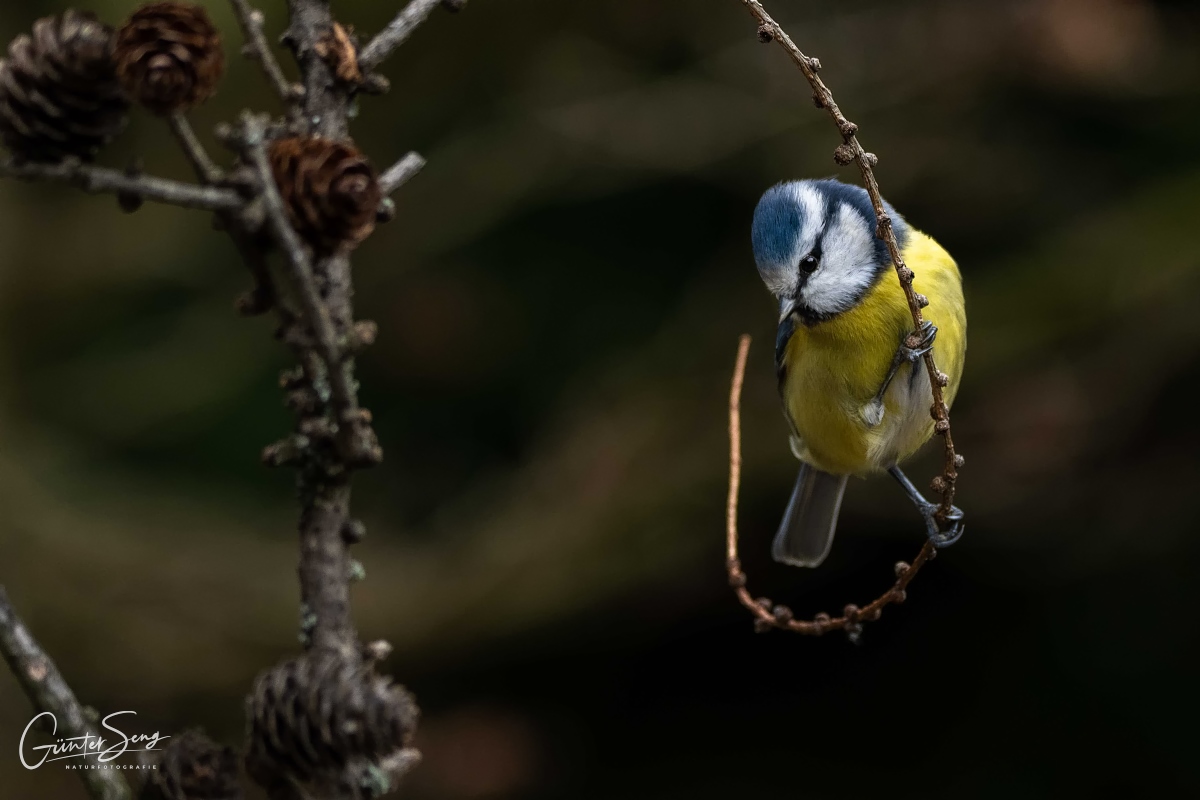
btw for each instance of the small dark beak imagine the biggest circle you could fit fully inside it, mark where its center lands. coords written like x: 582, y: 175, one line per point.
x: 787, y: 307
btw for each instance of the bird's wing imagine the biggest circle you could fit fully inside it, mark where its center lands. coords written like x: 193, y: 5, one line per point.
x: 783, y: 335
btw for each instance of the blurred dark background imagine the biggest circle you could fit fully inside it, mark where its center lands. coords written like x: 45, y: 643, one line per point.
x: 559, y: 300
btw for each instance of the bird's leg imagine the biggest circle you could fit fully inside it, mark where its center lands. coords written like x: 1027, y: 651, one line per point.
x: 954, y: 520
x: 914, y: 346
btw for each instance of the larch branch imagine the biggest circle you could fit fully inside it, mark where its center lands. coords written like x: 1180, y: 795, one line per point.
x: 49, y: 692
x: 333, y: 435
x: 401, y: 172
x: 259, y: 49
x: 100, y: 180
x: 396, y: 33
x: 358, y: 449
x: 205, y: 168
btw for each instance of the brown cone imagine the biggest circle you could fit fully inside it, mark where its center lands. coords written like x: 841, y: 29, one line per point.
x: 59, y: 95
x: 312, y: 716
x: 169, y: 56
x: 330, y: 189
x: 193, y: 767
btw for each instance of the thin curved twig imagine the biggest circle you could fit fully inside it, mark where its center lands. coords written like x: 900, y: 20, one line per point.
x: 768, y: 615
x: 852, y: 151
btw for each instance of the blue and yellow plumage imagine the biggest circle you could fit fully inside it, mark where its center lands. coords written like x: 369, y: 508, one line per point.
x: 855, y: 392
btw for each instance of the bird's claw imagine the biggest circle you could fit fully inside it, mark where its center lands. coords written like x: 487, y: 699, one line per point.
x: 919, y: 342
x: 953, y: 520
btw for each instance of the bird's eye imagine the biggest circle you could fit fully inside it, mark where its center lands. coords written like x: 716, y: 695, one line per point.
x: 809, y: 263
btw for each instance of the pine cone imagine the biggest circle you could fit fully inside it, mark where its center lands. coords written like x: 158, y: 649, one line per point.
x: 59, y: 95
x: 193, y: 767
x: 312, y: 717
x: 330, y: 189
x: 169, y: 56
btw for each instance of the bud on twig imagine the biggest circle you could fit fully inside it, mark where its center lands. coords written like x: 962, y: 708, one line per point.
x: 358, y: 416
x: 363, y: 335
x: 377, y: 651
x: 285, y: 451
x: 291, y: 378
x: 318, y: 428
x: 353, y: 531
x: 302, y: 401
x: 253, y: 302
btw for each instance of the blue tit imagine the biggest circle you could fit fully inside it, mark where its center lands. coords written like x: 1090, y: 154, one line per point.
x: 855, y: 393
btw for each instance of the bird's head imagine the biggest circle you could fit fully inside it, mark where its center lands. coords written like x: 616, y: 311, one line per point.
x: 816, y: 248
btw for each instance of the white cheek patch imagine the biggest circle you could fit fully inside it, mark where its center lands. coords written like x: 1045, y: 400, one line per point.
x: 780, y: 282
x: 847, y: 267
x: 783, y: 281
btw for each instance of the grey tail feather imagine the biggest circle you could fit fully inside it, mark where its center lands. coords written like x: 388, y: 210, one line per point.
x: 810, y: 520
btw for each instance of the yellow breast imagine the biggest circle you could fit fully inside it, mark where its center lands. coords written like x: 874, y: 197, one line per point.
x: 835, y: 368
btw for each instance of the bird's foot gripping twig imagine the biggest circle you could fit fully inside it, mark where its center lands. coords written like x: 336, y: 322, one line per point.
x: 943, y: 529
x: 953, y: 520
x: 919, y: 342
x: 911, y: 350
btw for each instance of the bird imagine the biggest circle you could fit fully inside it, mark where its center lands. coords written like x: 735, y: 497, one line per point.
x: 848, y: 360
